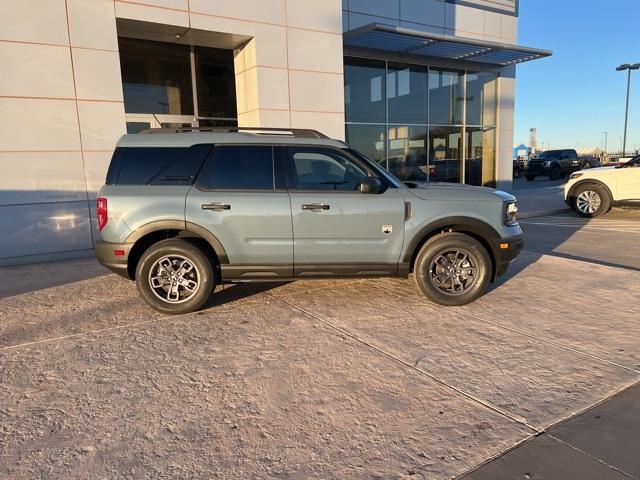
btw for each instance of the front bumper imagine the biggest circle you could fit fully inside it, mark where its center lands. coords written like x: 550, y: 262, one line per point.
x: 538, y: 170
x: 114, y: 256
x: 504, y: 256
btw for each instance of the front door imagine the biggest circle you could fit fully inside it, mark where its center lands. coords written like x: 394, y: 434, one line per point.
x: 336, y: 228
x: 629, y: 182
x: 240, y: 197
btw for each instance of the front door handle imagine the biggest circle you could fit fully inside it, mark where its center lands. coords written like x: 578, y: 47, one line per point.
x: 217, y: 206
x: 315, y: 206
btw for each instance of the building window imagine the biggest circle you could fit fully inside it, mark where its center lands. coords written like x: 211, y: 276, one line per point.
x: 408, y: 152
x: 407, y: 94
x: 481, y: 98
x: 480, y: 156
x: 155, y: 77
x: 445, y: 97
x: 371, y: 140
x: 216, y: 84
x: 436, y: 124
x: 160, y: 90
x: 364, y: 90
x: 445, y: 148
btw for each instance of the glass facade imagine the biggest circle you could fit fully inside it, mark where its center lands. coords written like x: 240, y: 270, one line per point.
x: 423, y: 123
x: 174, y: 86
x: 155, y: 77
x: 215, y: 82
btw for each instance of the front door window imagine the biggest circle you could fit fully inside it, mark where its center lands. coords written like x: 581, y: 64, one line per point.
x: 324, y: 170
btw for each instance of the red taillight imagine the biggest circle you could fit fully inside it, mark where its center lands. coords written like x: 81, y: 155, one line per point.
x: 103, y: 215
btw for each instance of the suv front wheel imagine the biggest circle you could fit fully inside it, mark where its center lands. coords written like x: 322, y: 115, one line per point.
x: 174, y: 276
x: 452, y: 269
x: 591, y: 201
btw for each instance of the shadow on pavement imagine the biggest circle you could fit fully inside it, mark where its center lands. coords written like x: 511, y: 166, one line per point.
x: 238, y: 291
x: 29, y: 278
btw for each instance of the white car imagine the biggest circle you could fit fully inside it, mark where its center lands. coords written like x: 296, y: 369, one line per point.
x: 593, y: 192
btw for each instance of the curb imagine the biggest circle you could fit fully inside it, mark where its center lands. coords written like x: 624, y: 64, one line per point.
x: 542, y: 213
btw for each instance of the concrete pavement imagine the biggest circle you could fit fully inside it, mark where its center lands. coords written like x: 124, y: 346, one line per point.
x: 539, y: 197
x: 607, y: 240
x: 600, y: 444
x: 324, y: 379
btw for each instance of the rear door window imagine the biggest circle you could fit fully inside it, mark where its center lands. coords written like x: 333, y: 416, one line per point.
x: 238, y: 168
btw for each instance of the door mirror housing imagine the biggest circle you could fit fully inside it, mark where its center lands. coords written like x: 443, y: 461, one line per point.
x: 371, y: 185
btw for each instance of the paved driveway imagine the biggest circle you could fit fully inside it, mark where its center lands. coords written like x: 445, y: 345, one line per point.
x: 343, y: 379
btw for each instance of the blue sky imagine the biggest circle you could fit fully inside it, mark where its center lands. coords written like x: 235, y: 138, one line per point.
x: 576, y: 95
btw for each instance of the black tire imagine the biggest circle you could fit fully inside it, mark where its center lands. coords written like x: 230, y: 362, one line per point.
x: 201, y: 272
x: 592, y: 195
x: 587, y: 165
x: 529, y: 177
x: 428, y: 268
x: 555, y: 173
x: 516, y: 172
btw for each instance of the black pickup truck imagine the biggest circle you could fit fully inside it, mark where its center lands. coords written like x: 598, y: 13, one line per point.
x: 555, y: 164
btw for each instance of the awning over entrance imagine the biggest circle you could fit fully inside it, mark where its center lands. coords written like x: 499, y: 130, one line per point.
x: 415, y: 42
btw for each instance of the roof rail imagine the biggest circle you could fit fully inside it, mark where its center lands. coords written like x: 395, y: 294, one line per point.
x: 291, y: 132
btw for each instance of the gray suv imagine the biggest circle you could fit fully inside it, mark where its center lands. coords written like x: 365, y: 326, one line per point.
x: 184, y: 210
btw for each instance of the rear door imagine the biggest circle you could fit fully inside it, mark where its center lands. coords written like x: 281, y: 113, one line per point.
x: 336, y: 228
x: 240, y: 197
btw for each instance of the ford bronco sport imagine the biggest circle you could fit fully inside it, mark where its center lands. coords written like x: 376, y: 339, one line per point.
x: 184, y: 210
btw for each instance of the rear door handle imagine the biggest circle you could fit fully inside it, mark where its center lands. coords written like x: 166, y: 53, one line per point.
x: 315, y: 206
x: 217, y: 206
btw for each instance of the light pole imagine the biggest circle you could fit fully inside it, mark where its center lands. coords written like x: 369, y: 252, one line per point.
x: 628, y: 67
x: 606, y: 135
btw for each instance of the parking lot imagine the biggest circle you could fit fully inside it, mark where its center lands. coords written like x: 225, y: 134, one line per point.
x: 338, y: 379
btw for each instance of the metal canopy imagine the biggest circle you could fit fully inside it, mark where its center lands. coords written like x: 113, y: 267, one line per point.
x: 408, y: 41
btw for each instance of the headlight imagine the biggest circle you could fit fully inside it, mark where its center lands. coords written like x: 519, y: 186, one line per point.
x: 575, y: 175
x: 547, y: 163
x: 510, y: 213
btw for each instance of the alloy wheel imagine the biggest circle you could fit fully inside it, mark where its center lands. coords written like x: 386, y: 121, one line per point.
x: 174, y: 279
x: 588, y: 202
x: 453, y: 271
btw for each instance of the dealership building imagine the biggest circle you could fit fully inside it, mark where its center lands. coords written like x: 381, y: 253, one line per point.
x: 424, y: 87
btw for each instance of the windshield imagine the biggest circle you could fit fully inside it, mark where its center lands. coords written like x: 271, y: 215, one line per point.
x: 374, y: 166
x: 549, y: 154
x: 634, y: 162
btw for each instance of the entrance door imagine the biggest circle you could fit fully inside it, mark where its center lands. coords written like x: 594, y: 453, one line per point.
x: 239, y: 197
x: 336, y: 228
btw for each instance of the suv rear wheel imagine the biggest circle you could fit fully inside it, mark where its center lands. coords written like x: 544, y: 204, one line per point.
x: 452, y: 269
x: 174, y: 276
x: 591, y: 201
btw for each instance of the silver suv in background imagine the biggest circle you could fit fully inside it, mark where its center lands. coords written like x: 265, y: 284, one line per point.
x: 185, y: 210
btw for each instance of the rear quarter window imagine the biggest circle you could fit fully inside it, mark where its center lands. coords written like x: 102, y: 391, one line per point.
x: 156, y: 165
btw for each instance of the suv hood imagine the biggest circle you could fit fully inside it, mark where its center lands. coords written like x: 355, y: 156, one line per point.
x: 457, y: 191
x: 596, y: 170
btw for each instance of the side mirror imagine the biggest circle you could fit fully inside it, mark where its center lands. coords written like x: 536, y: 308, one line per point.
x: 371, y: 185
